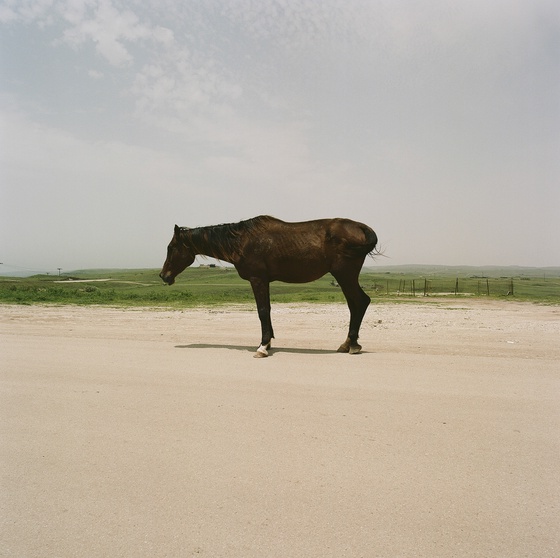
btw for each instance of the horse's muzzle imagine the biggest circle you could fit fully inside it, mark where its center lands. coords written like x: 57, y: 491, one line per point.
x: 166, y: 278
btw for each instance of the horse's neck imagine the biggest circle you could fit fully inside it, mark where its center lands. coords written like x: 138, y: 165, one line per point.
x: 208, y: 244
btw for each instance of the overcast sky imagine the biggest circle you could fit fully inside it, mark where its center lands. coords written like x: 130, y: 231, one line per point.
x: 435, y: 122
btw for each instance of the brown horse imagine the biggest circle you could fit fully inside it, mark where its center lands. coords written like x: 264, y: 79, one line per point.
x: 265, y: 249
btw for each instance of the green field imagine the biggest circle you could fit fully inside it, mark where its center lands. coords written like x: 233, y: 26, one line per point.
x: 217, y: 286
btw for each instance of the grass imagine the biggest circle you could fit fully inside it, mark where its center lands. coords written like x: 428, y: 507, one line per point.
x: 218, y: 286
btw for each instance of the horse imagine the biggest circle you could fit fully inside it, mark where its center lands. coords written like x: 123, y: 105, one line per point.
x: 266, y: 249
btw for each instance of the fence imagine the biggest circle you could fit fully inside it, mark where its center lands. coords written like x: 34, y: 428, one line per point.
x: 462, y: 286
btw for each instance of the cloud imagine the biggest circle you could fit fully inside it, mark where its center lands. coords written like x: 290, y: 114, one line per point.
x: 174, y: 83
x: 111, y: 29
x: 64, y: 200
x: 107, y: 27
x: 39, y: 147
x: 167, y: 79
x: 296, y: 25
x: 414, y: 116
x: 27, y: 11
x: 95, y: 74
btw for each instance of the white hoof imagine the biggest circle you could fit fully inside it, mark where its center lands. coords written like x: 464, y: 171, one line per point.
x: 262, y: 351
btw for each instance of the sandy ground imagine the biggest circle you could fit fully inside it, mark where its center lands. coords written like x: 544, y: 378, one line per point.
x: 154, y: 433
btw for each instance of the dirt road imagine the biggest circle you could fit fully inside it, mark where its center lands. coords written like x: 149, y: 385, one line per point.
x: 152, y: 433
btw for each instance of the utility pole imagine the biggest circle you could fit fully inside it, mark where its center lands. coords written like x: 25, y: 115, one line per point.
x: 59, y: 270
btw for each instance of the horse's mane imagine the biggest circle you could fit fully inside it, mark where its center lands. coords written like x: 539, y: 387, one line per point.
x: 224, y: 238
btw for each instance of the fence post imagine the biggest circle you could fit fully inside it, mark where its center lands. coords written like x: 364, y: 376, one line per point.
x: 487, y: 287
x: 456, y: 286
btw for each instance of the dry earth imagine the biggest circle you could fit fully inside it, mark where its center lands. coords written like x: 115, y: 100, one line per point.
x: 154, y: 433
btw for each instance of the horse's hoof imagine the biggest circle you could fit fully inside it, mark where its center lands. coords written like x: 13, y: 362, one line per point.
x: 355, y: 349
x: 345, y: 347
x: 262, y: 351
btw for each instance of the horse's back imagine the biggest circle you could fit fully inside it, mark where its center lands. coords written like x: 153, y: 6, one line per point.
x: 354, y: 232
x: 352, y: 238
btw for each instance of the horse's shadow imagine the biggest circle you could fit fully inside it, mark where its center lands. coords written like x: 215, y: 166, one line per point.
x: 245, y: 348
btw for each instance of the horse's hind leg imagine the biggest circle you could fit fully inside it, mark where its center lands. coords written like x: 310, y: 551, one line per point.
x: 358, y: 302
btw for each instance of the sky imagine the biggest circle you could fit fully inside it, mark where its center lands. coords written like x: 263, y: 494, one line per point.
x: 435, y: 122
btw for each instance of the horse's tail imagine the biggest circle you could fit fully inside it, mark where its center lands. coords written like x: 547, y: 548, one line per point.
x: 371, y: 240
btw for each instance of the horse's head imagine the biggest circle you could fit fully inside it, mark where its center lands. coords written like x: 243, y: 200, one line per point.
x: 179, y: 257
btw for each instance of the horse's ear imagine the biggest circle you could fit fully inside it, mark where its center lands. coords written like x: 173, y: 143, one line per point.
x: 177, y: 230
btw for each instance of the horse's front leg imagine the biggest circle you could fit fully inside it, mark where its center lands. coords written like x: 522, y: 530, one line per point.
x: 261, y: 290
